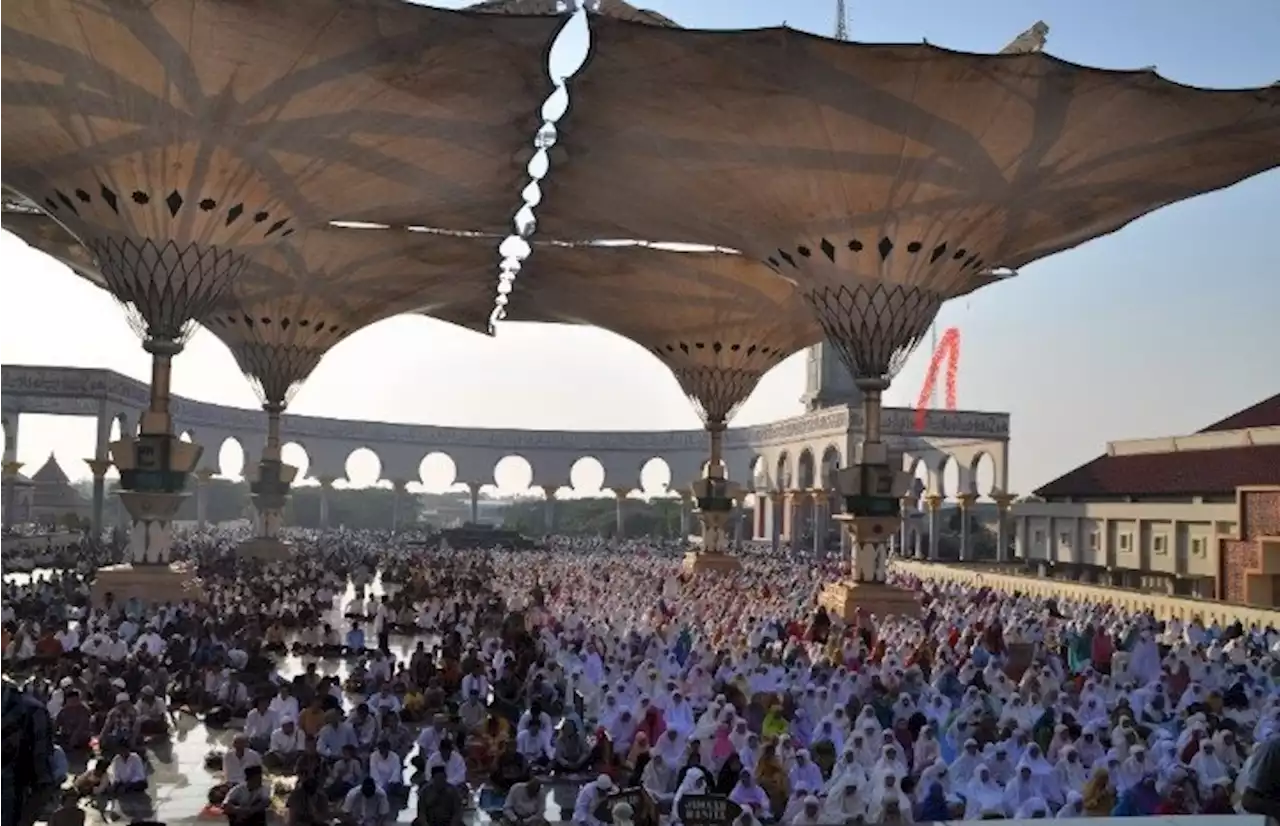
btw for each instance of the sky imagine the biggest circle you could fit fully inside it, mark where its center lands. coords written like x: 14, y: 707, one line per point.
x: 1157, y: 330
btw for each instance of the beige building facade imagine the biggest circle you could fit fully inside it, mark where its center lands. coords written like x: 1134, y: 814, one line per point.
x: 1195, y: 515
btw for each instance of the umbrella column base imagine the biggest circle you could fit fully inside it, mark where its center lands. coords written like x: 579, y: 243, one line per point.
x: 699, y: 562
x: 150, y: 584
x: 849, y: 600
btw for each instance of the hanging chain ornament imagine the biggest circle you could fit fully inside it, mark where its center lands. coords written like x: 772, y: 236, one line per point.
x: 515, y: 249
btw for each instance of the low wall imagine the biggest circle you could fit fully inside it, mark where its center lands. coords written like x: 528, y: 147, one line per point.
x: 1162, y: 606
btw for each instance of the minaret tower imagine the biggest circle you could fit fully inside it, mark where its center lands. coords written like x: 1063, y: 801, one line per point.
x: 827, y: 380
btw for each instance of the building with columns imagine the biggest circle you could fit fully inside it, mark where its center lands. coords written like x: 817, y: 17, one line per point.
x: 793, y: 473
x: 1195, y: 515
x: 784, y: 449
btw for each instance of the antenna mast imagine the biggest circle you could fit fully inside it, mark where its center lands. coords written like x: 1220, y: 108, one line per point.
x: 842, y: 24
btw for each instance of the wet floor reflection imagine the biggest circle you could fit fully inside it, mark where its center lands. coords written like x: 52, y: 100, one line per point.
x: 179, y: 781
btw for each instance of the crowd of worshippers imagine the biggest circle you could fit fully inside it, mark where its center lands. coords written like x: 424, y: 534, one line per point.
x: 482, y: 676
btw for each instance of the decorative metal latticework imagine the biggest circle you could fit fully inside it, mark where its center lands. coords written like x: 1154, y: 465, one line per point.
x: 874, y: 326
x: 716, y: 392
x: 166, y: 286
x: 276, y: 371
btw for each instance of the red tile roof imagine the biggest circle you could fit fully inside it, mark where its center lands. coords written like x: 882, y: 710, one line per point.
x: 1180, y: 473
x: 1265, y: 413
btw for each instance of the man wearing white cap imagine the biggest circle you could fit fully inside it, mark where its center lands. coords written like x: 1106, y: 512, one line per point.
x: 589, y: 799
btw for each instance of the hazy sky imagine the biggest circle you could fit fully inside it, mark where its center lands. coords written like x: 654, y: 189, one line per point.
x: 1156, y: 330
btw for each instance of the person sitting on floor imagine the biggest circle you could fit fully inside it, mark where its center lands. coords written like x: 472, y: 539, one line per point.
x: 237, y: 760
x: 307, y: 804
x: 439, y: 802
x: 128, y: 773
x: 524, y: 805
x: 571, y: 754
x: 259, y: 724
x: 247, y: 802
x: 455, y: 768
x: 345, y: 774
x: 366, y: 805
x: 95, y: 781
x: 120, y: 728
x: 75, y: 722
x: 286, y: 744
x: 365, y: 728
x: 534, y: 742
x: 335, y: 737
x: 509, y: 769
x: 153, y: 714
x: 386, y: 769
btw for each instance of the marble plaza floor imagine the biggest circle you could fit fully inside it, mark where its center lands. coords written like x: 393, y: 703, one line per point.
x: 179, y: 781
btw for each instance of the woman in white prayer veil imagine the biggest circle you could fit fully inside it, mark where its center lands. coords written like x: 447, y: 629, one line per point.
x: 1013, y: 712
x: 671, y: 746
x: 1033, y: 809
x: 708, y: 722
x: 868, y: 747
x: 937, y: 709
x: 926, y: 750
x: 868, y: 723
x: 1022, y: 787
x: 1073, y: 808
x: 884, y: 792
x: 845, y: 804
x: 659, y: 779
x: 698, y: 685
x: 695, y: 782
x: 847, y: 770
x: 891, y: 762
x: 1068, y: 773
x: 739, y: 734
x: 983, y: 794
x: 931, y: 774
x: 1195, y: 693
x: 1144, y: 662
x: 1061, y: 740
x: 1208, y: 767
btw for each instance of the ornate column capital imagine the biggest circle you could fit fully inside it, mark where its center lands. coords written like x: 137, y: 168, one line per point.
x: 11, y: 469
x: 548, y: 491
x: 966, y: 500
x: 326, y: 482
x: 933, y: 502
x: 1004, y: 501
x: 474, y: 487
x: 98, y: 467
x: 400, y: 485
x: 619, y: 493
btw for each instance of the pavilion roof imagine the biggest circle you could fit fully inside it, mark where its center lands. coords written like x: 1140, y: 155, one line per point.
x: 1199, y: 472
x: 51, y: 473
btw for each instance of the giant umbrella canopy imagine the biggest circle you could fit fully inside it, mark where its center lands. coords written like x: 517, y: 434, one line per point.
x: 881, y: 179
x: 299, y: 299
x: 718, y: 321
x: 177, y: 137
